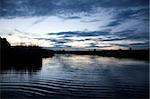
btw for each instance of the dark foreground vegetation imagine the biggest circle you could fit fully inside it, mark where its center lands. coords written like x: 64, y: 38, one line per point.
x: 22, y: 57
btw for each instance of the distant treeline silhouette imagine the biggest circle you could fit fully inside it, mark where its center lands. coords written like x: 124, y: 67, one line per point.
x: 142, y: 54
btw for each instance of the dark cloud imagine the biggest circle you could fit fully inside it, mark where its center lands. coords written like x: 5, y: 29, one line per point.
x: 132, y: 13
x: 69, y: 17
x: 140, y: 14
x: 122, y: 3
x: 58, y: 41
x: 113, y: 39
x: 133, y: 35
x: 93, y: 45
x: 114, y: 23
x: 146, y: 43
x: 77, y: 33
x: 61, y: 46
x: 11, y: 8
x: 61, y: 41
x: 122, y: 45
x: 140, y: 45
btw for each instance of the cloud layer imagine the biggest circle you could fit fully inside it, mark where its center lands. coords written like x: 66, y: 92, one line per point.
x: 57, y: 7
x: 76, y: 23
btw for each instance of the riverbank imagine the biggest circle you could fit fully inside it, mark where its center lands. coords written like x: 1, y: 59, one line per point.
x: 136, y: 54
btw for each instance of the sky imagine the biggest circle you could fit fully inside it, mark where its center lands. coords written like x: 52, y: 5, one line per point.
x: 76, y: 24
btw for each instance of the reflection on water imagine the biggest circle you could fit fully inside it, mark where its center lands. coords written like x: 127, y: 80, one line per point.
x: 23, y: 65
x: 78, y: 76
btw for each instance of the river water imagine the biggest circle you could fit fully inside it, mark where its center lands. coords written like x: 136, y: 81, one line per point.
x: 78, y: 77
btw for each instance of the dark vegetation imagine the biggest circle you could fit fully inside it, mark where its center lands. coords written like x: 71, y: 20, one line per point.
x: 135, y: 54
x: 22, y: 57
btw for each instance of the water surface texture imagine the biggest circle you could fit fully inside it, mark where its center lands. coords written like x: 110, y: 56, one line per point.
x: 78, y: 76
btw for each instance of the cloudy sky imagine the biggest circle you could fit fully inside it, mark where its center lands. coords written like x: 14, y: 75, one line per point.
x: 100, y: 24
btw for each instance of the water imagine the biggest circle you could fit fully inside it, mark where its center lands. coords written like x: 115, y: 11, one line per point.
x: 78, y: 76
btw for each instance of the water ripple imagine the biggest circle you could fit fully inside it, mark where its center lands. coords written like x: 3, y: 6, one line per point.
x: 69, y: 79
